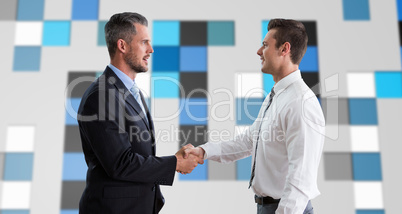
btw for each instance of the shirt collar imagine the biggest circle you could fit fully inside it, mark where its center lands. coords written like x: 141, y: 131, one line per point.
x: 127, y: 81
x: 286, y: 81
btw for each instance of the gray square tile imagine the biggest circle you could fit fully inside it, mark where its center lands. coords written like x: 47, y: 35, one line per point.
x: 78, y: 82
x: 72, y: 139
x: 336, y: 111
x: 338, y: 166
x: 8, y: 10
x: 220, y: 171
x: 194, y: 134
x: 71, y: 194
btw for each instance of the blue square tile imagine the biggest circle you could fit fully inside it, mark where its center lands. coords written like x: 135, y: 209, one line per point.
x: 56, y: 33
x: 370, y: 212
x: 243, y: 169
x: 85, y: 9
x: 309, y: 62
x: 268, y: 83
x: 399, y: 9
x: 166, y: 33
x: 388, y: 84
x: 220, y: 33
x: 14, y: 211
x: 72, y: 105
x: 29, y: 10
x: 200, y: 173
x: 366, y: 166
x: 363, y: 111
x: 101, y: 33
x: 74, y: 167
x: 247, y: 110
x: 27, y: 58
x: 193, y: 111
x: 69, y: 212
x: 356, y: 10
x: 264, y: 29
x: 165, y: 59
x: 193, y: 58
x: 18, y: 166
x: 165, y: 85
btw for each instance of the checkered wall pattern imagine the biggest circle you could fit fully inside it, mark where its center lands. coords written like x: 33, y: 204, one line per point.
x: 357, y: 111
x: 16, y: 169
x: 181, y: 55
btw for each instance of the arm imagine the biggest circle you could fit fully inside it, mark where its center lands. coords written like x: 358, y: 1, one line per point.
x: 303, y: 123
x: 107, y: 143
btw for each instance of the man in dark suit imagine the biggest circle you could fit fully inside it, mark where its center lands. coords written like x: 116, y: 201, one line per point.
x: 117, y: 131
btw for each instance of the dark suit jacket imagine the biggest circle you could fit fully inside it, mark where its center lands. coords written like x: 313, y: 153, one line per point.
x: 119, y: 146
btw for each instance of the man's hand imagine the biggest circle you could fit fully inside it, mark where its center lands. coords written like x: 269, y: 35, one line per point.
x: 186, y: 165
x: 198, y: 152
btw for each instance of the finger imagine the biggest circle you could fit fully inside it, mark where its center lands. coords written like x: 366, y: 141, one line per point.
x: 189, y: 146
x: 186, y: 153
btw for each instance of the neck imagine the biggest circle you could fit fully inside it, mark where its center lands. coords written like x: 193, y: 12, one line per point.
x: 123, y: 67
x: 284, y: 71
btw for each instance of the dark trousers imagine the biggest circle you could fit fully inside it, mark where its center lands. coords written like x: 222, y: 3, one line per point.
x: 270, y: 208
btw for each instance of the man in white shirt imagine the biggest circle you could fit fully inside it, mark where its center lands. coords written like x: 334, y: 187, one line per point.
x: 287, y: 139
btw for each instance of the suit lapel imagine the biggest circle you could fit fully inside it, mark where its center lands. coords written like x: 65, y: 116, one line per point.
x: 127, y: 96
x: 151, y: 123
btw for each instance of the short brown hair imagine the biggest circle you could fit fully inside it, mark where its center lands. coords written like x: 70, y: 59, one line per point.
x: 291, y: 31
x: 121, y: 26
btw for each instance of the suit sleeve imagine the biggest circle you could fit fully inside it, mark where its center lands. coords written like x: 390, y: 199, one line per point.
x: 107, y: 143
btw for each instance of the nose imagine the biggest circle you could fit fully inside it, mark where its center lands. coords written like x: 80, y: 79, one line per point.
x: 151, y: 50
x: 259, y: 51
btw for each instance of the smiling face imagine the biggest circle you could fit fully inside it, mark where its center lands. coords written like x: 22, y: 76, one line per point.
x: 269, y: 54
x: 139, y: 50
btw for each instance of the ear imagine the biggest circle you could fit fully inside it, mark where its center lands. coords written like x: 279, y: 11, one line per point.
x: 122, y: 46
x: 285, y: 49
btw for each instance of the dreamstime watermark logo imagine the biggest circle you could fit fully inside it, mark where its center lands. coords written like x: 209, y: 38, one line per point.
x: 220, y: 104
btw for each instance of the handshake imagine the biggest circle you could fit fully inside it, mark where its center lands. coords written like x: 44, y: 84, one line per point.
x: 188, y: 158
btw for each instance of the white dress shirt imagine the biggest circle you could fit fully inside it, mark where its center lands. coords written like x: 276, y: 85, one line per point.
x: 290, y: 141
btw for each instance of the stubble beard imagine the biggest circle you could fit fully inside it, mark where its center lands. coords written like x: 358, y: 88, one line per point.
x: 136, y: 67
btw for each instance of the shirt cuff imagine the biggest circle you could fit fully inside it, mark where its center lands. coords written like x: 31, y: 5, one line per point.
x: 211, y: 150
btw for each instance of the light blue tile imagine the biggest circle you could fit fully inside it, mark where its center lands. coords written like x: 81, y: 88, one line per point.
x: 194, y: 111
x: 200, y: 173
x: 356, y: 10
x: 388, y: 84
x: 85, y: 9
x: 309, y: 62
x: 27, y: 58
x: 370, y: 211
x: 366, y: 167
x: 247, y: 110
x: 18, y: 166
x: 268, y: 82
x: 243, y: 169
x: 193, y: 58
x: 101, y: 33
x: 363, y: 111
x: 14, y: 211
x: 72, y: 105
x: 165, y: 84
x: 74, y: 167
x: 221, y: 33
x: 69, y: 212
x: 56, y: 33
x: 166, y: 33
x: 30, y: 10
x: 264, y: 29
